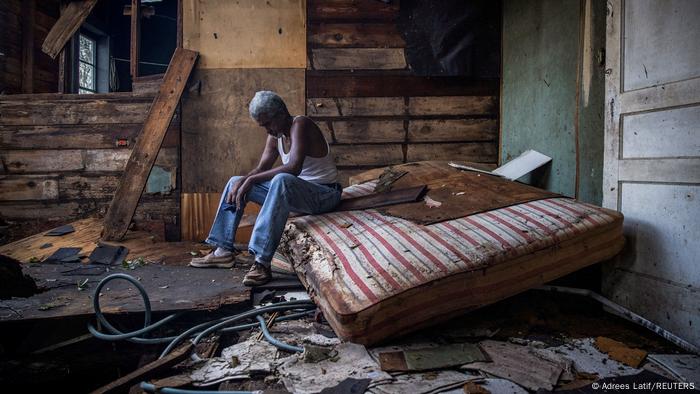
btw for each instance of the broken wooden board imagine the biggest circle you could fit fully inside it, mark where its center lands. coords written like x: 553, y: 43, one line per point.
x: 72, y: 17
x: 143, y: 155
x: 86, y: 236
x: 459, y: 193
x: 170, y: 288
x: 618, y: 351
x: 147, y: 371
x: 376, y: 200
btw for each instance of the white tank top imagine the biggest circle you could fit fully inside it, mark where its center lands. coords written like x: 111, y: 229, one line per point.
x: 315, y: 169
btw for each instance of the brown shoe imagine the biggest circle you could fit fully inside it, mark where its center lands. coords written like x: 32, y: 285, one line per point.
x: 211, y: 260
x: 257, y: 275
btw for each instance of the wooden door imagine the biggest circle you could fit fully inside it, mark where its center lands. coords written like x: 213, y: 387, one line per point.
x: 652, y: 159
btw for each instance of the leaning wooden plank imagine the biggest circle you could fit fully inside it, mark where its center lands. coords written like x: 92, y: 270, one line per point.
x: 72, y: 17
x: 376, y: 200
x: 147, y: 370
x: 146, y: 149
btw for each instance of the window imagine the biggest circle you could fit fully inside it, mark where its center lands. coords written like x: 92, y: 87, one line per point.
x: 87, y: 65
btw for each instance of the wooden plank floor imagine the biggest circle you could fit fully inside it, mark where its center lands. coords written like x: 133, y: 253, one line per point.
x: 86, y: 236
x: 170, y: 283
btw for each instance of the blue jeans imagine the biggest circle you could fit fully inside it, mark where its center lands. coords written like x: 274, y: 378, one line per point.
x: 283, y: 194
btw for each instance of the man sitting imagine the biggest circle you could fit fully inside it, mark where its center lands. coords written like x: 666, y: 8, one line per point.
x: 306, y: 182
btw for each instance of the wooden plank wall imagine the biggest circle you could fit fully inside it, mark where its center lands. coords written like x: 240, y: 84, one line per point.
x: 373, y: 109
x: 60, y: 160
x: 18, y: 61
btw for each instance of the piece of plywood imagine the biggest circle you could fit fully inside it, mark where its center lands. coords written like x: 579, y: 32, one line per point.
x: 71, y: 18
x: 358, y: 58
x: 459, y: 193
x: 246, y: 33
x: 197, y: 213
x: 144, y: 153
x: 219, y: 138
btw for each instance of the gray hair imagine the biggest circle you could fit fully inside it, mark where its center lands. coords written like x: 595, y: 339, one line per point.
x: 268, y: 103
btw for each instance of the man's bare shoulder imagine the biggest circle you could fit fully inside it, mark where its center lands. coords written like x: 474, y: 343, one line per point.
x: 304, y: 121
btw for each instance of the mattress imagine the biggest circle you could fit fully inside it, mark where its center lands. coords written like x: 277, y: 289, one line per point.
x: 376, y: 276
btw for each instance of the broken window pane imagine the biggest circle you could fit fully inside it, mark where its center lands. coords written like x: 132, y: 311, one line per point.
x: 86, y: 64
x: 86, y: 75
x: 87, y: 49
x: 83, y: 91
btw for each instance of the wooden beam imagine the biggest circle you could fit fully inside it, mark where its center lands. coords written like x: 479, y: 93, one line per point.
x: 128, y: 193
x: 28, y: 7
x: 62, y: 72
x: 178, y: 42
x: 74, y: 15
x: 135, y: 37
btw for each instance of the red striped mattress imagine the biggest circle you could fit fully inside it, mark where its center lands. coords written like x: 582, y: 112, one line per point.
x: 357, y: 264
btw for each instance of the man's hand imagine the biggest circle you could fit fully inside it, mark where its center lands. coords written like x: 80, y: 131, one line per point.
x: 241, y: 192
x: 231, y: 196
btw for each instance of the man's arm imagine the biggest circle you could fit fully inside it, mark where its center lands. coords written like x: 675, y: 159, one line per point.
x: 267, y: 159
x: 297, y: 154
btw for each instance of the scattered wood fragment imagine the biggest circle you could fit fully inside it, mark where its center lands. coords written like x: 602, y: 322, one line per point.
x: 618, y: 351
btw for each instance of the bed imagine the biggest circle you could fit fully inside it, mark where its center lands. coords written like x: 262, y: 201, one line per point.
x: 377, y: 275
